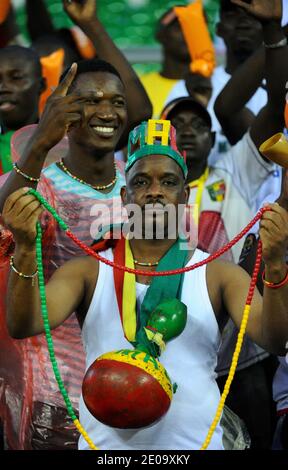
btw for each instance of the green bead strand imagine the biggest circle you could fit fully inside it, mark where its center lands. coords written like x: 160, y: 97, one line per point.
x: 52, y: 211
x: 44, y: 311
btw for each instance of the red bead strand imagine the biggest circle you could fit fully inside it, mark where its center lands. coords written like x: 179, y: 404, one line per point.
x: 140, y: 272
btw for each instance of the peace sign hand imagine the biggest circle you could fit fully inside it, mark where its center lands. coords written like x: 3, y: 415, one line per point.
x: 263, y: 10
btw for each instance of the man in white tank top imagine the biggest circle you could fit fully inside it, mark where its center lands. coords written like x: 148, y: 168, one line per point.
x: 155, y: 175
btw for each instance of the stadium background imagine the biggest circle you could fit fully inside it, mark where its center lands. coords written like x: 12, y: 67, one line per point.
x: 131, y: 23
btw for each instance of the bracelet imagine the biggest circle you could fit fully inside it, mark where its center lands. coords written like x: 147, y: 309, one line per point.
x: 24, y: 276
x: 273, y: 285
x: 277, y: 45
x: 27, y: 177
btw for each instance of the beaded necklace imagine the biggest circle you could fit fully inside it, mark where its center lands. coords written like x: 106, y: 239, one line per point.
x: 142, y: 263
x: 97, y: 188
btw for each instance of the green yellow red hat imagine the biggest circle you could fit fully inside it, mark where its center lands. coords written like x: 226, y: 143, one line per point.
x: 154, y: 137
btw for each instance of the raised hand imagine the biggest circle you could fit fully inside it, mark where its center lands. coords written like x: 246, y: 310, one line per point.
x: 61, y: 111
x: 80, y: 11
x: 20, y: 213
x: 264, y: 10
x: 274, y: 235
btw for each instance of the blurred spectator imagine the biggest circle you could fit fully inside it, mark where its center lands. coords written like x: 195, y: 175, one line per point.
x: 242, y: 35
x: 175, y: 63
x: 84, y: 15
x: 8, y: 28
x: 21, y: 85
x: 26, y: 112
x: 45, y: 37
x: 199, y: 87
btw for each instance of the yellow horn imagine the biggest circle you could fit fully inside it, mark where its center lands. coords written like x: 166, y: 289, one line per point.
x: 276, y: 149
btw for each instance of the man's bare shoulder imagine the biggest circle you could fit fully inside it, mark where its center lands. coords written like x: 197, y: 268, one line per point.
x: 84, y: 266
x: 218, y: 267
x: 220, y: 272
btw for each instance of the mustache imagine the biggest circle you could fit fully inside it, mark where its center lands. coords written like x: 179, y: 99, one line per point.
x: 153, y: 205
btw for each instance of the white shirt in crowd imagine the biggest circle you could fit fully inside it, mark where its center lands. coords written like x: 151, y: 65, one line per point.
x: 219, y: 80
x: 231, y: 194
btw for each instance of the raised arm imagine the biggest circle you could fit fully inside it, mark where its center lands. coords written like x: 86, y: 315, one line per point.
x: 64, y: 291
x: 138, y: 104
x: 230, y: 106
x: 270, y: 120
x: 268, y: 323
x: 60, y: 112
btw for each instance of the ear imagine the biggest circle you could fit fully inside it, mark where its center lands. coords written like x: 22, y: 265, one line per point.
x: 187, y: 193
x: 123, y: 194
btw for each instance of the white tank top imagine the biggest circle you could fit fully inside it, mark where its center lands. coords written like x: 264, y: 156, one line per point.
x: 190, y: 360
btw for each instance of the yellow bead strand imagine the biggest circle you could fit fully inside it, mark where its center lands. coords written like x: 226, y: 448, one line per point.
x: 229, y: 380
x: 85, y: 435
